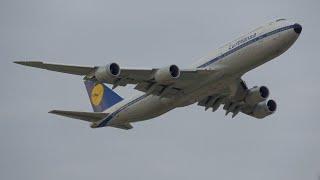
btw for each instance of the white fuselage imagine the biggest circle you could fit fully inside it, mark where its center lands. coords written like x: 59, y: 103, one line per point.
x: 235, y: 58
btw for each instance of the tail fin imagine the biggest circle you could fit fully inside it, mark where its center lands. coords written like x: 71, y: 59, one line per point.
x: 101, y: 97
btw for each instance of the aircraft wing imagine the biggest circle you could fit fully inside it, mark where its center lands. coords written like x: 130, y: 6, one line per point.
x: 70, y: 69
x: 231, y: 97
x: 234, y: 98
x: 142, y: 78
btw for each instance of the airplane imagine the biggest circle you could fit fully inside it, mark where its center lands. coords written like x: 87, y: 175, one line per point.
x: 213, y: 81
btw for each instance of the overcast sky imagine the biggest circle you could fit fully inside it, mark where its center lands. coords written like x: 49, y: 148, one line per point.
x: 184, y: 144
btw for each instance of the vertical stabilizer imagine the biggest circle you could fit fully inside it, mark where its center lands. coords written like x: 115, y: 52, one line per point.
x: 101, y: 97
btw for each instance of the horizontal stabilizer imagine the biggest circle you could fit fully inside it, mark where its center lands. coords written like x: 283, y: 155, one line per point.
x: 85, y: 116
x: 125, y: 126
x: 70, y: 69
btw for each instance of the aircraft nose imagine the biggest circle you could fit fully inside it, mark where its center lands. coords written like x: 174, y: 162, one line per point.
x: 297, y: 28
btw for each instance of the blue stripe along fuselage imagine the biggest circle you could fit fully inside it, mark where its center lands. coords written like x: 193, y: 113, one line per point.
x: 246, y: 44
x: 112, y: 115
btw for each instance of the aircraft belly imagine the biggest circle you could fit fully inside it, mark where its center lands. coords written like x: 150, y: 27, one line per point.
x: 150, y: 107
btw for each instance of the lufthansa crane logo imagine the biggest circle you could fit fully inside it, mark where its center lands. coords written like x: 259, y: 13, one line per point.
x: 97, y: 94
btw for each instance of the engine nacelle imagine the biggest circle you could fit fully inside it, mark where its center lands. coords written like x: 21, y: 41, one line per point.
x: 265, y: 108
x: 256, y: 95
x: 167, y: 75
x: 108, y: 73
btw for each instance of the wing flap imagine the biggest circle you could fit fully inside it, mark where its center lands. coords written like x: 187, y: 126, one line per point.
x: 85, y: 116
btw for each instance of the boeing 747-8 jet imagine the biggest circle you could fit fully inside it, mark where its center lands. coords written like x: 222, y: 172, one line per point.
x: 213, y: 81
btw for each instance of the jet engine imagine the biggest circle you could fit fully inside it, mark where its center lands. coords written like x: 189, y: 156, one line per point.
x: 107, y: 73
x: 256, y: 95
x: 264, y: 109
x: 167, y: 75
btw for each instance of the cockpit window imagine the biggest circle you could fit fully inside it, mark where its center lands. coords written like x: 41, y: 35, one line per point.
x: 280, y: 20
